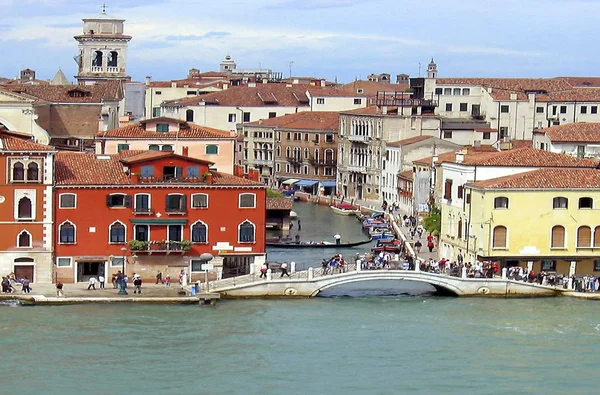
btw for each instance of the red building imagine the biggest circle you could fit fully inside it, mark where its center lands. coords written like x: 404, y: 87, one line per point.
x: 26, y: 207
x: 154, y: 210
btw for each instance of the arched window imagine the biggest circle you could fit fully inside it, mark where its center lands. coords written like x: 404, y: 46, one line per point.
x: 25, y: 211
x: 560, y: 203
x: 117, y: 233
x: 212, y: 149
x: 597, y: 236
x: 246, y: 232
x: 97, y: 60
x: 460, y: 228
x: 584, y: 237
x: 558, y: 237
x: 199, y: 232
x: 317, y: 154
x: 499, y: 240
x: 153, y: 147
x: 167, y: 148
x: 586, y: 202
x: 18, y: 172
x: 306, y: 153
x: 501, y: 202
x: 278, y: 151
x: 113, y: 59
x: 66, y: 233
x: 329, y: 155
x: 288, y: 152
x: 32, y: 172
x: 24, y: 239
x: 189, y: 115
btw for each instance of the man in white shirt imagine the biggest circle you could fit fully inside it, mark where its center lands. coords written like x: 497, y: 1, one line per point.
x: 101, y: 280
x: 284, y: 271
x: 92, y: 283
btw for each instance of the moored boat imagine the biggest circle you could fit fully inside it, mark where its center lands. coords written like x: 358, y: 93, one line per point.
x: 345, y: 209
x: 314, y: 244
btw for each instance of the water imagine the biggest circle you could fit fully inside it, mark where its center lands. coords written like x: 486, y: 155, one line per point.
x: 369, y: 345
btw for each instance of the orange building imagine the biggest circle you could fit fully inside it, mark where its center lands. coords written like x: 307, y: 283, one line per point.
x: 26, y: 207
x: 154, y: 211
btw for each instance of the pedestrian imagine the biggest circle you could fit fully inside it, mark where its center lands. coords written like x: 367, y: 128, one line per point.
x: 137, y: 282
x: 418, y: 246
x: 168, y: 280
x: 26, y: 288
x: 119, y: 280
x: 59, y: 289
x: 430, y: 245
x: 159, y: 278
x: 101, y: 280
x: 263, y: 271
x: 299, y: 225
x: 92, y: 283
x: 460, y: 258
x: 114, y: 280
x: 284, y: 271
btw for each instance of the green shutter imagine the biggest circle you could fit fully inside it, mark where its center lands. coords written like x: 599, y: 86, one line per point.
x: 122, y: 147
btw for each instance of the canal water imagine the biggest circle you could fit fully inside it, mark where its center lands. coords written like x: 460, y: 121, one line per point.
x: 368, y: 345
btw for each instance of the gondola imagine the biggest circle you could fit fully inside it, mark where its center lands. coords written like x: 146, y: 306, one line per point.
x: 325, y: 244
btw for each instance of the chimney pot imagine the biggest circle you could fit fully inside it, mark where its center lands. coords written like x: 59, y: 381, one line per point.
x: 185, y: 151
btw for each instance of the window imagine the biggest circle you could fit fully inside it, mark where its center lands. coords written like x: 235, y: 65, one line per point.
x: 504, y: 109
x: 162, y: 127
x: 117, y: 261
x: 167, y: 147
x: 357, y: 101
x: 24, y: 209
x: 586, y: 202
x: 118, y: 200
x: 461, y: 189
x: 154, y: 147
x: 584, y: 237
x: 176, y: 203
x: 148, y: 171
x: 563, y: 109
x: 447, y: 134
x: 438, y: 91
x: 24, y: 239
x: 456, y: 91
x: 272, y: 115
x: 212, y: 149
x: 460, y: 229
x: 66, y: 233
x: 597, y: 236
x: 158, y: 93
x: 448, y: 190
x: 247, y: 200
x: 246, y: 232
x: 558, y: 237
x: 193, y: 171
x: 548, y: 265
x: 463, y: 106
x: 142, y: 232
x: 32, y: 172
x: 487, y: 135
x: 594, y: 109
x: 499, y: 239
x: 583, y: 109
x: 117, y: 233
x: 320, y: 100
x: 200, y: 200
x: 554, y: 110
x: 501, y: 202
x: 231, y: 117
x: 447, y: 91
x: 246, y: 117
x: 539, y: 110
x: 156, y: 110
x: 448, y: 106
x: 189, y: 114
x: 503, y: 131
x: 560, y: 203
x: 122, y: 147
x: 329, y: 138
x: 597, y: 265
x: 142, y: 203
x: 67, y: 200
x: 64, y: 262
x: 18, y: 172
x: 468, y: 198
x: 199, y: 232
x: 175, y: 232
x: 466, y: 91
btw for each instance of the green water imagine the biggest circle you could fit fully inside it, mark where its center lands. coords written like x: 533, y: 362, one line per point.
x: 368, y: 345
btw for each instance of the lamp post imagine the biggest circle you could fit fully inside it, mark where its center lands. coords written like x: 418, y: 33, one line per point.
x: 206, y: 257
x: 123, y: 284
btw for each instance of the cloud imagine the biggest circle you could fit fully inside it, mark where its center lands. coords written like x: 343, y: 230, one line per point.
x: 491, y: 51
x: 312, y: 4
x: 206, y: 36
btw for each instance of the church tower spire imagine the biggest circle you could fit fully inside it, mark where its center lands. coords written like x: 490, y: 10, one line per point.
x: 432, y: 70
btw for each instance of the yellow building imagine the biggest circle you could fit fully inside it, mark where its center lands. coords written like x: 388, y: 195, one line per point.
x: 547, y: 220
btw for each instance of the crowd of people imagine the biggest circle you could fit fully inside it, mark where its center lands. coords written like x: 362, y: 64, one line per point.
x: 10, y: 284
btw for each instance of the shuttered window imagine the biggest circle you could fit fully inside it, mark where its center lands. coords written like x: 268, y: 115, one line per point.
x: 558, y: 237
x: 499, y: 237
x: 584, y: 236
x: 597, y: 236
x: 460, y: 228
x: 448, y: 190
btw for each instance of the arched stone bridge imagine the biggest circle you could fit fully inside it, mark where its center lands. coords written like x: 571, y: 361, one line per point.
x: 311, y: 282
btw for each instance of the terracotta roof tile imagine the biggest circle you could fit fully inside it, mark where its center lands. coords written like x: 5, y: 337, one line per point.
x: 573, y: 132
x: 511, y: 84
x: 370, y: 88
x: 408, y: 141
x: 370, y: 110
x: 408, y: 175
x: 145, y: 156
x: 12, y: 143
x: 528, y: 157
x: 309, y: 120
x: 96, y: 93
x: 451, y: 156
x: 280, y: 203
x: 548, y: 178
x: 187, y: 130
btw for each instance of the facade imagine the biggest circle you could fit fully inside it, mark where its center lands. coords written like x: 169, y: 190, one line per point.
x: 26, y: 212
x: 17, y: 113
x: 576, y: 139
x: 102, y: 50
x: 152, y: 211
x: 457, y: 225
x: 545, y: 220
x: 167, y: 134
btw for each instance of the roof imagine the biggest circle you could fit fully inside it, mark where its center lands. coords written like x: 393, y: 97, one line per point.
x: 96, y: 93
x: 548, y: 178
x: 280, y: 203
x: 571, y: 95
x: 315, y: 91
x: 520, y: 143
x: 511, y: 84
x: 370, y: 88
x: 407, y: 175
x: 308, y: 120
x: 187, y: 130
x: 527, y: 157
x: 573, y: 132
x: 408, y: 141
x: 143, y: 156
x: 20, y: 144
x: 370, y: 110
x: 451, y: 156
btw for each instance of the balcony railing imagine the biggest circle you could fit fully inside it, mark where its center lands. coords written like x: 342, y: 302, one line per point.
x: 357, y: 169
x: 96, y: 69
x: 111, y: 69
x: 263, y: 162
x: 143, y: 210
x: 294, y: 160
x: 173, y: 180
x: 322, y: 162
x: 176, y: 210
x: 162, y: 246
x: 358, y: 138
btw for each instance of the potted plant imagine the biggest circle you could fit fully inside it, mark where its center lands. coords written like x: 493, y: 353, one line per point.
x: 137, y: 245
x: 207, y: 177
x: 186, y: 245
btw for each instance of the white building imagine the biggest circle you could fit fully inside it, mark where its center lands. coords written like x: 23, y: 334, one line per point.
x: 576, y: 139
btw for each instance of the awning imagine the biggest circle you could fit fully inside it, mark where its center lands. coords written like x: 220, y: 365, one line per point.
x: 159, y: 221
x: 290, y: 181
x: 329, y: 183
x: 306, y: 183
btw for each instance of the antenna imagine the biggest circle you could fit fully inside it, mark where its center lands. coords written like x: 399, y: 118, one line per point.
x: 291, y: 63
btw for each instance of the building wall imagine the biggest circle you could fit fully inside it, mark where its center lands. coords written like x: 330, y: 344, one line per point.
x: 20, y: 116
x: 337, y: 103
x: 66, y: 120
x: 155, y: 96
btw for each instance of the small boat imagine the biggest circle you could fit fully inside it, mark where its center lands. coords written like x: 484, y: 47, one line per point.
x: 345, y: 209
x: 379, y: 234
x: 293, y: 214
x: 315, y: 244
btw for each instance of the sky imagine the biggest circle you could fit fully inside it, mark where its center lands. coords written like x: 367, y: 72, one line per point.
x: 343, y: 39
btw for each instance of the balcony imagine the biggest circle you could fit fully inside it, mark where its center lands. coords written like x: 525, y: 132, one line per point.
x: 356, y: 169
x: 175, y: 180
x: 293, y: 160
x: 143, y: 211
x: 96, y: 69
x: 160, y: 246
x: 176, y: 210
x: 402, y: 99
x: 111, y: 69
x: 322, y: 162
x: 263, y: 162
x: 359, y: 139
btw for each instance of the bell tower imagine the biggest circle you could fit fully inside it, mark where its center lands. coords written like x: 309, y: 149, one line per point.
x: 102, y: 50
x: 432, y: 70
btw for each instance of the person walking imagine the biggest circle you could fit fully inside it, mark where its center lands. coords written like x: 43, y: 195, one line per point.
x: 101, y: 280
x: 284, y: 271
x: 168, y: 281
x: 114, y: 280
x: 26, y: 288
x: 263, y: 271
x: 59, y: 289
x: 418, y: 246
x: 159, y: 278
x: 430, y: 245
x: 92, y: 283
x: 137, y: 282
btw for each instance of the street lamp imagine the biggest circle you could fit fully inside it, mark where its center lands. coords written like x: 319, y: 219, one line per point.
x: 123, y: 284
x: 206, y: 257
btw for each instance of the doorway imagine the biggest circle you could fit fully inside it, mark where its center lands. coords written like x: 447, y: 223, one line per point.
x: 237, y: 265
x: 85, y: 270
x: 22, y: 271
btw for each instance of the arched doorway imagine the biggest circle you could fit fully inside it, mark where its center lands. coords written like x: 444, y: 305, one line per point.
x: 24, y: 267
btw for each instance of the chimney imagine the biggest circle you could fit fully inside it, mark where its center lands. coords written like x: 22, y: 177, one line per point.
x: 265, y: 81
x: 322, y: 82
x: 513, y: 96
x: 251, y: 84
x: 435, y: 159
x: 384, y: 110
x: 185, y: 151
x: 489, y: 89
x: 460, y: 157
x: 173, y: 84
x: 148, y: 79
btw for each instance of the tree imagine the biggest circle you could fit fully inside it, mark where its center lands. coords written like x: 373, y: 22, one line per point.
x: 274, y: 194
x: 433, y: 223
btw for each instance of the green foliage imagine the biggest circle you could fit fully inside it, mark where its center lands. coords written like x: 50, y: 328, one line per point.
x: 186, y: 245
x: 433, y: 223
x: 137, y: 245
x: 274, y: 194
